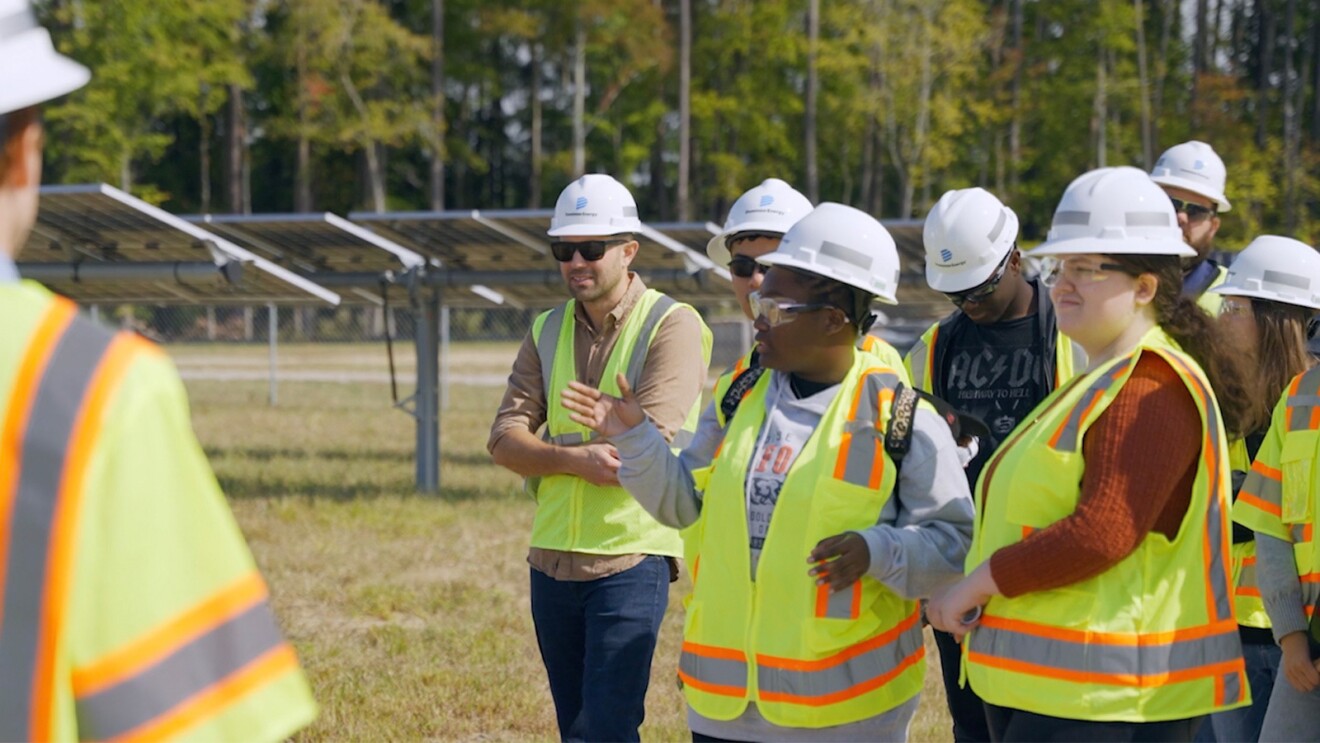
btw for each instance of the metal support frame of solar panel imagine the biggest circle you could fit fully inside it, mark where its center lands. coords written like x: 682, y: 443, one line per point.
x: 474, y: 251
x: 99, y: 245
x: 325, y: 248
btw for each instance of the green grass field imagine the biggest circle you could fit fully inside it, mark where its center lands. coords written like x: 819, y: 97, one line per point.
x: 409, y: 612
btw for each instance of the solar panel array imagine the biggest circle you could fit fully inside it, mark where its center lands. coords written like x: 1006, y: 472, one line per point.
x: 97, y: 244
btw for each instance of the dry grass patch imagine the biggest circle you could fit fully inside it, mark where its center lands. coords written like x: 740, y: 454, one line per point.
x: 410, y: 613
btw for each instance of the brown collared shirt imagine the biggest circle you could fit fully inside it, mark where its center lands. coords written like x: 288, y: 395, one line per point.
x: 671, y: 380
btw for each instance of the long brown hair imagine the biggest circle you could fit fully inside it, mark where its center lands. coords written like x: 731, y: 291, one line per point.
x: 1197, y: 334
x: 1280, y: 355
x: 13, y: 124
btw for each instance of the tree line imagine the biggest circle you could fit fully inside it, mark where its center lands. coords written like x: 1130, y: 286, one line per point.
x: 341, y: 105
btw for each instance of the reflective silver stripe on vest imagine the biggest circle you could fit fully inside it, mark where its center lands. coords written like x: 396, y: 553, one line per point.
x: 839, y: 605
x: 705, y: 670
x: 1303, y: 403
x: 866, y: 443
x: 868, y: 667
x: 1232, y: 682
x: 1299, y: 533
x: 643, y: 343
x: 1216, y: 527
x: 1247, y: 575
x: 1131, y: 665
x: 1067, y: 439
x: 188, y: 671
x: 918, y: 354
x: 573, y: 438
x: 44, y: 446
x: 1265, y: 488
x: 546, y: 344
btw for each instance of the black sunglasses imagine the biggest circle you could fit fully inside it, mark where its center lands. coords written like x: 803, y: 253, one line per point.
x: 744, y: 266
x: 1194, y: 212
x: 985, y: 289
x: 738, y: 237
x: 591, y: 250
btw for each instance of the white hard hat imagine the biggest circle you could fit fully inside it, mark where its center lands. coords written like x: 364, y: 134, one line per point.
x: 594, y: 205
x: 1194, y: 166
x: 967, y: 235
x: 1279, y: 269
x: 773, y: 206
x: 31, y: 71
x: 844, y: 244
x: 1114, y: 211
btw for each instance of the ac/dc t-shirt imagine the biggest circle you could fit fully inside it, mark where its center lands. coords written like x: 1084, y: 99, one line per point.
x: 996, y: 373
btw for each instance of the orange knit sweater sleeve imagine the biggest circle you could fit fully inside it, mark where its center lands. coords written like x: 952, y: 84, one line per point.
x: 1141, y: 456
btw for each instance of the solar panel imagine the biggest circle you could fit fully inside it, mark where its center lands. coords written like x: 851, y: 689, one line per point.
x: 508, y: 251
x: 324, y: 248
x: 97, y: 244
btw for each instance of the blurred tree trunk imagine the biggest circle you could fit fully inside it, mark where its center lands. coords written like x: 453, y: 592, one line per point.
x: 204, y: 159
x: 1291, y: 126
x: 437, y: 180
x: 1265, y: 21
x: 1015, y: 126
x: 812, y: 93
x: 534, y: 173
x: 1143, y: 85
x: 684, y: 108
x: 235, y: 150
x: 579, y: 98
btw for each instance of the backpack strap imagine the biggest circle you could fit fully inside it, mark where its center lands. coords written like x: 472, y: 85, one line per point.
x: 741, y: 385
x: 898, y: 437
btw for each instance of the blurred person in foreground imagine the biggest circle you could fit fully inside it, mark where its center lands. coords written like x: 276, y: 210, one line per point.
x: 129, y: 603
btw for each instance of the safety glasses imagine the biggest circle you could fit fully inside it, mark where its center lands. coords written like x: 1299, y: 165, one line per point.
x: 1053, y: 270
x: 591, y: 250
x: 744, y: 267
x: 738, y: 237
x: 778, y: 313
x: 982, y: 292
x: 1194, y: 212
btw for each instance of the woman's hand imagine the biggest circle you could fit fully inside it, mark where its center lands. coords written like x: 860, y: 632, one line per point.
x: 602, y: 413
x: 1298, y: 666
x: 956, y: 609
x: 840, y: 560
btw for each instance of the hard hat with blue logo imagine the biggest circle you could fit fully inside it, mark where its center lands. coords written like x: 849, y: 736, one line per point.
x: 1196, y: 167
x: 31, y: 71
x: 967, y: 235
x: 594, y: 205
x: 771, y: 207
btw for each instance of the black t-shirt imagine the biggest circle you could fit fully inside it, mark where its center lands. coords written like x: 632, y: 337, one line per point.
x: 996, y: 373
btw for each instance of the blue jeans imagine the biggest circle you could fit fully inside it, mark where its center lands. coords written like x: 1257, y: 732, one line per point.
x: 597, y: 638
x: 1244, y: 723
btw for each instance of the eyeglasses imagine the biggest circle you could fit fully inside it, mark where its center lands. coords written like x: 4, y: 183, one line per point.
x: 591, y: 250
x: 980, y: 293
x: 1232, y: 307
x: 778, y: 313
x: 1194, y: 212
x: 1054, y: 269
x: 744, y: 266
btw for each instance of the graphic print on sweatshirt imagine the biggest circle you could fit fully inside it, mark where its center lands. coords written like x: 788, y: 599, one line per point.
x: 995, y: 373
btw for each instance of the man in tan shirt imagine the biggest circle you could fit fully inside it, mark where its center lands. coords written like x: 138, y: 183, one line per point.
x: 600, y: 565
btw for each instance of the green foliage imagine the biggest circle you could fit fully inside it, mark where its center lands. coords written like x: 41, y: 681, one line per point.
x: 915, y: 97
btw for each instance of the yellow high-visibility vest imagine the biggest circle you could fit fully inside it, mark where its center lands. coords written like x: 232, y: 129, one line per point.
x: 572, y: 514
x: 1212, y: 301
x: 807, y: 658
x: 1247, y: 604
x: 1281, y: 494
x: 131, y: 606
x: 1152, y: 638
